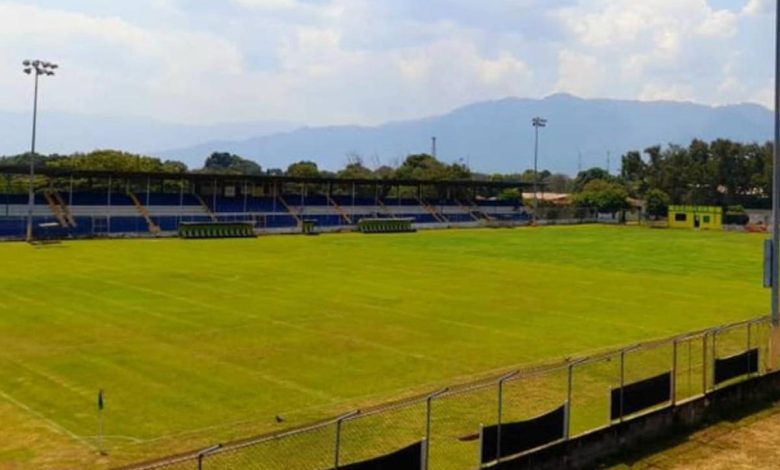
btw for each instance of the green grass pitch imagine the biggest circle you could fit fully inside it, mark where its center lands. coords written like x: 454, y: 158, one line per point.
x: 197, y: 342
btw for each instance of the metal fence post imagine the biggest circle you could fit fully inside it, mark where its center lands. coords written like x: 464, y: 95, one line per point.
x: 674, y: 372
x: 749, y: 325
x: 714, y: 355
x: 622, y: 379
x: 337, y: 446
x: 567, y: 423
x: 704, y: 363
x: 424, y: 456
x: 479, y: 447
x: 205, y: 452
x: 428, y: 410
x: 501, y: 382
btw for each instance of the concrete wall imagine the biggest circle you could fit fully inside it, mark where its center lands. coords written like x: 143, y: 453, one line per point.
x: 587, y: 450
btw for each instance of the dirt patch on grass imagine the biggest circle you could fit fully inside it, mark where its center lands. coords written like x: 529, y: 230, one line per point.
x: 744, y: 443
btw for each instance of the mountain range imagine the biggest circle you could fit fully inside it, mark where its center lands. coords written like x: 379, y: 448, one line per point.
x: 494, y: 136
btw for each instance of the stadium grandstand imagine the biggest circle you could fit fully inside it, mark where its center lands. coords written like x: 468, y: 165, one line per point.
x: 79, y: 203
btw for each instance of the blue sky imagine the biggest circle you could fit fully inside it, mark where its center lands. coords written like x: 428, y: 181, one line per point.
x: 368, y: 61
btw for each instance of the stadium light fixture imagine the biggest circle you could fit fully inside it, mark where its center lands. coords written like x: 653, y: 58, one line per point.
x: 38, y: 67
x: 537, y: 122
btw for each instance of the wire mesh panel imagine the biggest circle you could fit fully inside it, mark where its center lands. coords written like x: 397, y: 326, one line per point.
x: 731, y: 344
x: 760, y: 337
x: 690, y: 367
x: 368, y: 436
x: 529, y: 405
x: 646, y: 379
x: 528, y: 396
x: 311, y: 449
x: 455, y: 421
x: 592, y: 384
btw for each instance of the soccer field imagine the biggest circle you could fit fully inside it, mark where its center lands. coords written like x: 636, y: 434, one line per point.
x: 197, y: 342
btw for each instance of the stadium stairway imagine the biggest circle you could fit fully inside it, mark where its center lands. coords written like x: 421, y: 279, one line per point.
x: 341, y: 211
x: 385, y: 209
x: 474, y: 211
x: 65, y: 209
x: 206, y: 207
x: 55, y: 209
x: 293, y: 213
x: 153, y: 228
x: 441, y: 218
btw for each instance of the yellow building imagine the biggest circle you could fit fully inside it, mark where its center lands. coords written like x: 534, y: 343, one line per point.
x: 697, y: 217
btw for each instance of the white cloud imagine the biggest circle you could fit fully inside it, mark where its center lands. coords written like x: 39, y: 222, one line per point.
x: 580, y: 74
x: 758, y: 7
x: 722, y: 23
x: 366, y: 61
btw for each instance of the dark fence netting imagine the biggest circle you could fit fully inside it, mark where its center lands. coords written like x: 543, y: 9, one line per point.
x: 515, y: 438
x: 736, y: 366
x: 409, y: 458
x: 638, y: 396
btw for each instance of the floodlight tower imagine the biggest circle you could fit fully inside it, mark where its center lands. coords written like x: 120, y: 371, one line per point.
x: 38, y: 68
x: 537, y: 122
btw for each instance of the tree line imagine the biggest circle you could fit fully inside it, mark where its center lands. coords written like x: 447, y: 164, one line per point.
x: 723, y: 173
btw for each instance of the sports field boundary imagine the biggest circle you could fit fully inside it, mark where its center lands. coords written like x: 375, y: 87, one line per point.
x: 451, y: 423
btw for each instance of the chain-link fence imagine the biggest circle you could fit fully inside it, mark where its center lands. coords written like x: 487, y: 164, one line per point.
x: 476, y: 424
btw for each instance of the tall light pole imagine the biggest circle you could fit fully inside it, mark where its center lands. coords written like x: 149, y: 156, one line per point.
x: 537, y: 122
x: 37, y: 68
x: 776, y: 186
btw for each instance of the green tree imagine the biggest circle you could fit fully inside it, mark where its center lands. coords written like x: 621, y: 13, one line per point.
x: 605, y: 196
x: 227, y: 163
x: 633, y: 170
x: 355, y: 169
x: 115, y: 160
x: 303, y: 169
x: 585, y: 177
x: 657, y: 203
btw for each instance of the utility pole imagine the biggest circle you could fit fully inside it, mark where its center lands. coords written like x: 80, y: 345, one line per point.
x: 433, y: 147
x: 537, y: 122
x: 37, y: 67
x: 609, y: 161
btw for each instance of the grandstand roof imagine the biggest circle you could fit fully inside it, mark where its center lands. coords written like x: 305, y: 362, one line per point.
x: 76, y: 173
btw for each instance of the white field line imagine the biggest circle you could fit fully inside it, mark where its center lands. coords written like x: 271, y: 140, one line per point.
x: 53, y: 425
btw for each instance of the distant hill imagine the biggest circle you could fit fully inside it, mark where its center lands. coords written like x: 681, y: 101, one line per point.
x: 67, y: 133
x: 497, y: 135
x: 489, y: 136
